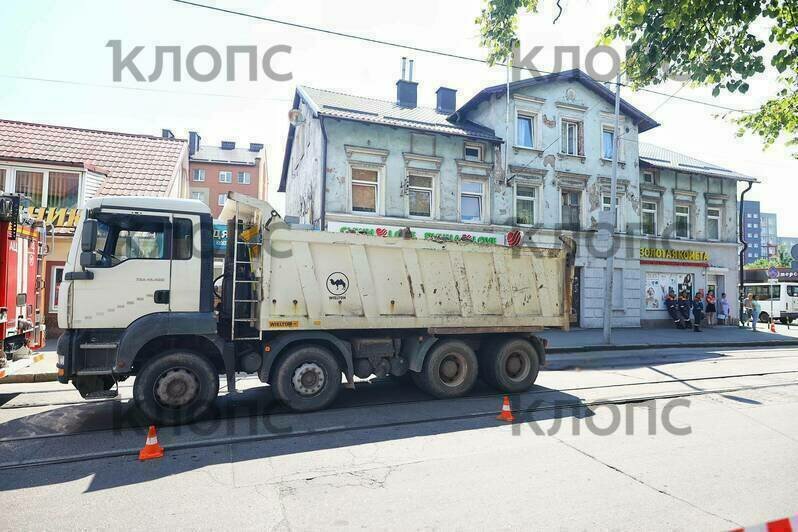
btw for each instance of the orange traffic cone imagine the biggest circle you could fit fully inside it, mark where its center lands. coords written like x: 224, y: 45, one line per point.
x: 772, y: 326
x: 507, y: 414
x: 151, y: 448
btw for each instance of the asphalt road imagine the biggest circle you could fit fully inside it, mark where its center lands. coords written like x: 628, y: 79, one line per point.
x: 677, y: 439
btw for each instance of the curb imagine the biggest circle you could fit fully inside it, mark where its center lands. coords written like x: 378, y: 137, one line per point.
x: 27, y: 378
x: 635, y: 347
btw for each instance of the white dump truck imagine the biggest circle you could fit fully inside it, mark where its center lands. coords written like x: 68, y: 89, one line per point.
x: 299, y: 308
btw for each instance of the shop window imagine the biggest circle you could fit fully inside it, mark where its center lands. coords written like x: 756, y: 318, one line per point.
x: 63, y: 189
x: 571, y: 214
x: 525, y: 205
x: 713, y: 224
x: 649, y: 218
x: 365, y: 190
x: 419, y: 195
x: 30, y: 184
x: 199, y: 174
x: 56, y: 276
x: 471, y: 201
x: 682, y: 222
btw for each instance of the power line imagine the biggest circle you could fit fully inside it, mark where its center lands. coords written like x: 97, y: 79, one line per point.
x: 143, y: 89
x: 426, y: 50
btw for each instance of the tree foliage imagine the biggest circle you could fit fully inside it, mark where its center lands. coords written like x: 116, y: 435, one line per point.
x: 720, y: 43
x: 782, y: 259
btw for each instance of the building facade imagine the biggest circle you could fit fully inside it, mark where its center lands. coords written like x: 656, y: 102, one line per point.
x: 752, y: 232
x: 359, y: 164
x: 59, y: 168
x: 217, y: 170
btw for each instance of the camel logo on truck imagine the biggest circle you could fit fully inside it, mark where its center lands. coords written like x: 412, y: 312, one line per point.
x: 337, y: 284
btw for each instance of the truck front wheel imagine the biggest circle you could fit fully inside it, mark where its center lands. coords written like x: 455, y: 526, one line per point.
x: 176, y: 387
x: 511, y: 367
x: 307, y: 378
x: 450, y: 370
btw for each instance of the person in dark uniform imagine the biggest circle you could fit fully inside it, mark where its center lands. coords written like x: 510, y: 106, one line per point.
x: 673, y: 310
x: 698, y: 312
x: 684, y: 305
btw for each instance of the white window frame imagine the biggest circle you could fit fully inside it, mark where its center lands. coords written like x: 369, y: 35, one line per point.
x: 482, y: 203
x: 581, y: 205
x: 474, y: 146
x: 433, y: 205
x: 718, y: 217
x: 247, y: 178
x: 579, y: 124
x: 618, y: 210
x: 225, y: 172
x: 535, y: 201
x: 52, y: 308
x: 379, y: 202
x: 611, y: 130
x: 220, y: 199
x: 198, y: 175
x: 653, y: 178
x: 11, y: 179
x: 533, y: 121
x: 677, y: 215
x: 654, y: 211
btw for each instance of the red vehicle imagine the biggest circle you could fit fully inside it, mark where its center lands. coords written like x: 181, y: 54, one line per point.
x: 22, y: 249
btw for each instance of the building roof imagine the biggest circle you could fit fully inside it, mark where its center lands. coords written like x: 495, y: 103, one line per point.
x: 134, y: 164
x: 643, y: 121
x: 664, y: 158
x: 215, y: 154
x: 349, y: 107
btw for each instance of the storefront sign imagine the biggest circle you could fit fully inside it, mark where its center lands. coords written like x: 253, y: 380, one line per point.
x: 55, y: 216
x: 416, y: 232
x: 688, y: 255
x: 219, y: 237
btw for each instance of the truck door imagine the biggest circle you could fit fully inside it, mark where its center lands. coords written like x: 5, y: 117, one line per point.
x: 132, y: 276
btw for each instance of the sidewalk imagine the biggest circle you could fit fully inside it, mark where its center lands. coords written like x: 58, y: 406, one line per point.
x: 40, y: 369
x: 582, y: 340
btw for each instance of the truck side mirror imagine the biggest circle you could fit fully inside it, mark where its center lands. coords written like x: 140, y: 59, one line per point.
x: 88, y: 238
x: 88, y: 259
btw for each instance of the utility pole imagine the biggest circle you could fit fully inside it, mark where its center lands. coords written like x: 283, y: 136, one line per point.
x: 610, y: 273
x: 507, y: 122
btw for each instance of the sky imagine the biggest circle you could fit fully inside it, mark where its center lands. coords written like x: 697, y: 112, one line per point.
x: 65, y: 42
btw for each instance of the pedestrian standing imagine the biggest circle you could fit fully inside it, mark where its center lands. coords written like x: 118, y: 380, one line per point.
x: 748, y: 309
x: 698, y: 312
x: 725, y: 308
x: 756, y: 309
x: 711, y: 309
x: 673, y: 310
x: 684, y: 308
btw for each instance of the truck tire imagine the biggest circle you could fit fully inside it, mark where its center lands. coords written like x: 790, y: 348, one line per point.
x: 176, y: 387
x: 307, y: 378
x: 450, y: 370
x: 511, y: 367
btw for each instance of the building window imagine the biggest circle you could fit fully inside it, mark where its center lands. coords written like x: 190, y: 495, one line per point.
x: 199, y: 196
x: 220, y: 199
x: 756, y: 226
x: 607, y: 143
x: 682, y: 225
x: 713, y: 224
x: 525, y: 205
x: 225, y: 177
x: 649, y: 218
x: 525, y: 131
x: 473, y: 152
x: 244, y: 178
x: 648, y: 177
x: 63, y: 189
x: 419, y: 193
x: 56, y: 276
x: 756, y: 215
x: 571, y: 139
x: 471, y: 198
x: 365, y: 189
x: 30, y: 184
x: 606, y: 204
x: 570, y: 210
x: 199, y: 174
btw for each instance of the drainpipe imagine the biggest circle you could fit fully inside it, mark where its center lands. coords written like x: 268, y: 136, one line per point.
x: 322, y: 218
x: 745, y: 246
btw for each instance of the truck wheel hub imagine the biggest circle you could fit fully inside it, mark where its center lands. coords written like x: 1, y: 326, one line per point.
x: 452, y: 370
x: 308, y: 379
x: 516, y: 366
x: 176, y: 388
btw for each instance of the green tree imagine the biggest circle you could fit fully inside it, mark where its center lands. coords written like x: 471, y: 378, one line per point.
x: 782, y: 259
x: 706, y: 42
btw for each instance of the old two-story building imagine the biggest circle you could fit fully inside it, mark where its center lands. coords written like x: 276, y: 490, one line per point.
x: 58, y: 168
x: 367, y: 165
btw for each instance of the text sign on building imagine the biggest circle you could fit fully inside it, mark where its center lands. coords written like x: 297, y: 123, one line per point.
x: 687, y: 255
x: 415, y: 232
x: 55, y: 216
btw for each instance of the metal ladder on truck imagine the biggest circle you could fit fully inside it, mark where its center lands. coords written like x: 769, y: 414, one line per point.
x: 252, y: 302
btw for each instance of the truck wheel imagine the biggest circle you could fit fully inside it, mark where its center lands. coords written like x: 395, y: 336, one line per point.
x: 176, y: 387
x: 307, y: 378
x: 764, y: 317
x: 450, y: 370
x: 512, y: 367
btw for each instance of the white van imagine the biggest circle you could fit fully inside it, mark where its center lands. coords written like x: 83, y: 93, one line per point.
x: 779, y: 300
